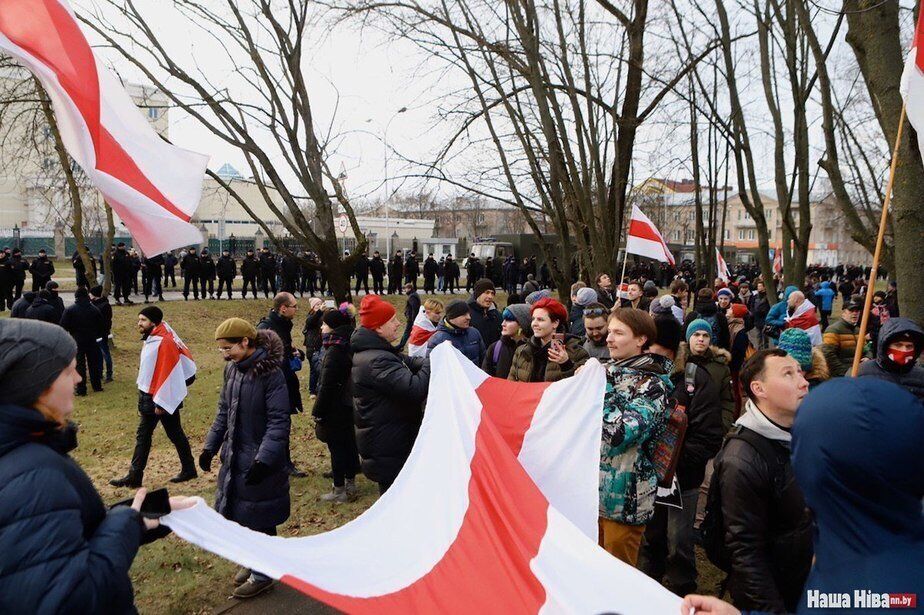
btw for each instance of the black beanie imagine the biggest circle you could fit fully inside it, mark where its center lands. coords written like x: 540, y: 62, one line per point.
x: 456, y: 308
x: 97, y: 291
x: 153, y: 313
x: 81, y: 293
x: 32, y: 356
x: 670, y: 333
x: 335, y: 318
x: 481, y: 286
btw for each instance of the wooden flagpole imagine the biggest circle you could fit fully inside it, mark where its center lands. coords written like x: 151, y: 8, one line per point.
x: 873, y: 273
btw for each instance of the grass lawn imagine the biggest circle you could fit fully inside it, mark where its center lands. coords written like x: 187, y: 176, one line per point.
x: 171, y: 576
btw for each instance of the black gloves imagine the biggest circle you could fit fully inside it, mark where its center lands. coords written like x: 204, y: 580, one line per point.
x: 205, y: 461
x: 257, y: 473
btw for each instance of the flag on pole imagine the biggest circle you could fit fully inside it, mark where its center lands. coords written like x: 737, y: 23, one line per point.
x: 722, y: 267
x: 778, y: 261
x: 421, y: 332
x: 495, y: 511
x: 645, y: 239
x: 153, y: 186
x: 166, y: 365
x: 912, y: 85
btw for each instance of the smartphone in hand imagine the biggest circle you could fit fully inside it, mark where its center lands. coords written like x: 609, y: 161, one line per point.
x: 156, y: 504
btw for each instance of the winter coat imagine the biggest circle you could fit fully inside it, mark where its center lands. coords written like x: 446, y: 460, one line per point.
x: 22, y: 304
x: 819, y: 372
x: 451, y: 269
x: 43, y: 309
x: 377, y: 267
x: 705, y: 431
x: 206, y: 267
x: 268, y: 264
x: 84, y: 322
x: 253, y: 424
x: 871, y: 531
x: 576, y: 321
x: 283, y: 328
x: 635, y: 412
x: 250, y: 267
x: 226, y: 268
x: 607, y: 297
x: 759, y: 306
x: 467, y: 341
x: 333, y: 409
x: 121, y: 264
x: 105, y: 309
x: 711, y: 313
x: 388, y: 394
x: 19, y: 268
x: 361, y: 268
x: 910, y: 376
x: 499, y: 356
x: 644, y: 303
x: 767, y: 526
x: 190, y: 264
x: 154, y: 265
x: 42, y: 267
x: 61, y: 551
x: 486, y: 321
x: 715, y: 361
x: 825, y: 294
x: 290, y: 267
x: 531, y: 361
x: 312, y: 332
x: 839, y: 343
x: 777, y: 314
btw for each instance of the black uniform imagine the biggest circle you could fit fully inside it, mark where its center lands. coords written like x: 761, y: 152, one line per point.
x: 206, y: 273
x: 190, y: 266
x: 361, y: 269
x: 395, y: 269
x: 377, y: 268
x: 41, y: 269
x: 429, y: 272
x: 136, y: 267
x: 153, y: 269
x: 6, y: 282
x: 227, y: 271
x: 170, y: 262
x: 411, y: 270
x: 86, y: 325
x: 79, y: 269
x: 250, y: 270
x: 290, y: 268
x: 19, y: 266
x: 121, y: 274
x: 267, y: 273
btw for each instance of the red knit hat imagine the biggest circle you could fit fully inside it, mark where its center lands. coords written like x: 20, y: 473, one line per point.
x: 555, y: 309
x: 375, y: 312
x: 739, y: 310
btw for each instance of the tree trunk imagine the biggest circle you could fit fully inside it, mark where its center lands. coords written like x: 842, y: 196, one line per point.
x: 106, y: 256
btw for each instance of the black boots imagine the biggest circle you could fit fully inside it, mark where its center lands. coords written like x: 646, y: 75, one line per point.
x: 130, y: 480
x: 185, y: 475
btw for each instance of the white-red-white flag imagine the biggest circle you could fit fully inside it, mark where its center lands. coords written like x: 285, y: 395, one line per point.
x: 495, y: 512
x: 166, y: 365
x: 721, y: 267
x: 778, y: 261
x: 153, y: 186
x: 645, y: 239
x: 912, y: 85
x: 421, y: 332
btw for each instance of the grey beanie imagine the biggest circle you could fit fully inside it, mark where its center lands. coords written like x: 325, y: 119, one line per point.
x: 663, y: 305
x: 520, y: 313
x: 32, y: 356
x: 585, y: 296
x: 535, y: 296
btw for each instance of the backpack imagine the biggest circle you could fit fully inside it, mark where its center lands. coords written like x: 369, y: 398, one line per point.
x: 666, y: 451
x: 712, y: 527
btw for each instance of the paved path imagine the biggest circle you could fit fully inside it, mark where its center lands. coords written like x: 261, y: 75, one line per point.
x: 278, y: 601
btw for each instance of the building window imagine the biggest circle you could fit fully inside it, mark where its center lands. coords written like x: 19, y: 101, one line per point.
x: 153, y: 113
x: 751, y: 234
x: 740, y: 234
x: 727, y: 234
x: 676, y: 236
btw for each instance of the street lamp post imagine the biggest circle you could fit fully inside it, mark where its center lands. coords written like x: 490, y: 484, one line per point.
x: 388, y: 196
x: 16, y: 236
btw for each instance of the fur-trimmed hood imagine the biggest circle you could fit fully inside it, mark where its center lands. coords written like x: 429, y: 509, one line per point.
x: 819, y: 371
x: 713, y: 353
x: 266, y: 357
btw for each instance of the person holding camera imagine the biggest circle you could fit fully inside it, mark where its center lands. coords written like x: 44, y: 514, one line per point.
x: 550, y: 354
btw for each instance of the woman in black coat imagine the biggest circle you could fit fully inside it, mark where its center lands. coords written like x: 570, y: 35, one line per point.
x: 61, y: 550
x: 333, y: 410
x: 251, y: 435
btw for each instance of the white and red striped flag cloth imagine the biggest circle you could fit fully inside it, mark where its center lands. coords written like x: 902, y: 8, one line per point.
x: 495, y: 511
x: 153, y: 186
x: 912, y: 85
x: 721, y: 266
x: 421, y: 332
x: 166, y: 365
x: 645, y: 239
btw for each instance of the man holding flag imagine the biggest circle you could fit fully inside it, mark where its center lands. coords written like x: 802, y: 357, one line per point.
x: 165, y: 371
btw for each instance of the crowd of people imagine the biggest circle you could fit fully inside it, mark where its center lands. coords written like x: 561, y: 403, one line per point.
x: 727, y: 420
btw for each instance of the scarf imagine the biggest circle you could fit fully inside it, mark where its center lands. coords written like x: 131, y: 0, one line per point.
x: 735, y: 326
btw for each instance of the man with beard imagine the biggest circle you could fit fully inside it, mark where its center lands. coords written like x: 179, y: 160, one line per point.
x: 227, y: 271
x: 161, y: 345
x: 377, y: 267
x: 250, y: 271
x: 41, y: 269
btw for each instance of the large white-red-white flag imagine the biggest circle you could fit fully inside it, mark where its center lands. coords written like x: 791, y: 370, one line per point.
x: 495, y: 511
x: 721, y: 266
x: 912, y: 86
x: 645, y: 239
x: 166, y: 365
x: 421, y: 332
x: 153, y: 186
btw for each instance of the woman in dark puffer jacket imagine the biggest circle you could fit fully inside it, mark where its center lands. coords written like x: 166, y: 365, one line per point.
x: 61, y: 550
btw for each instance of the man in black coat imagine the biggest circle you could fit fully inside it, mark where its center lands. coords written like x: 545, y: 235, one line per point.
x: 121, y: 274
x: 279, y: 320
x: 55, y: 299
x: 251, y: 431
x: 41, y: 269
x: 170, y: 263
x: 22, y: 304
x: 410, y: 313
x: 267, y: 272
x: 429, y: 273
x: 85, y: 324
x: 900, y: 344
x: 227, y: 271
x: 388, y: 393
x: 473, y: 271
x: 289, y: 266
x: 667, y: 554
x: 766, y: 526
x: 395, y: 271
x: 43, y: 308
x: 6, y: 282
x: 451, y: 272
x: 80, y: 269
x: 377, y: 268
x: 102, y: 304
x: 485, y: 316
x: 190, y: 265
x: 250, y: 271
x: 20, y: 266
x: 411, y: 269
x: 207, y: 273
x: 152, y: 279
x: 361, y: 270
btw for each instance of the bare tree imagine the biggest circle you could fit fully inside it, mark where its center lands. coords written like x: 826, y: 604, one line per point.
x: 269, y: 118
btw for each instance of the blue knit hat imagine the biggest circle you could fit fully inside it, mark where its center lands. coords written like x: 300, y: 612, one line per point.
x: 727, y: 292
x: 698, y: 325
x: 797, y: 344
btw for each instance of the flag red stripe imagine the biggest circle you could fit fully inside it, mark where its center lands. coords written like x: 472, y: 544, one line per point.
x: 642, y: 230
x: 484, y: 570
x: 168, y: 356
x: 46, y: 30
x: 919, y: 42
x: 419, y: 335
